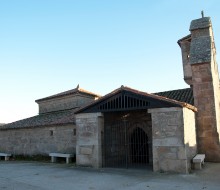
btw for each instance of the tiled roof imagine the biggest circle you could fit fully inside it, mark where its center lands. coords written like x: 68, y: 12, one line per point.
x: 186, y: 38
x: 165, y: 98
x: 47, y: 119
x: 182, y: 95
x: 69, y: 92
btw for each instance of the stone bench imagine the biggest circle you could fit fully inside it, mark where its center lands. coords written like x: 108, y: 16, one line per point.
x: 5, y: 155
x: 198, y: 161
x: 54, y: 157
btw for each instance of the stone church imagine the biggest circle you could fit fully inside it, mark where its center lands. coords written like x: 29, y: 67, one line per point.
x: 128, y: 128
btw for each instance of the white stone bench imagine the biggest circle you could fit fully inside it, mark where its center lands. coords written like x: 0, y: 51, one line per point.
x: 5, y: 155
x: 54, y: 157
x: 198, y: 161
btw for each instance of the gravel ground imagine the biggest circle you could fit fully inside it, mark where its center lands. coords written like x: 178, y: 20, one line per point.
x: 36, y: 175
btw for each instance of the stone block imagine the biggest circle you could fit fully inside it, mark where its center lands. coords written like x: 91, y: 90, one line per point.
x: 197, y: 79
x: 156, y: 167
x: 177, y: 166
x: 86, y: 150
x: 181, y: 153
x: 83, y: 160
x: 173, y: 149
x: 204, y: 22
x: 171, y: 156
x: 169, y: 141
x: 155, y: 152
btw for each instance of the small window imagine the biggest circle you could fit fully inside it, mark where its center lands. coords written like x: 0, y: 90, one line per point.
x: 51, y: 132
x: 74, y: 132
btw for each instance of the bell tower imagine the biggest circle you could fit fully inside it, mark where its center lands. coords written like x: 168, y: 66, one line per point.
x: 201, y: 73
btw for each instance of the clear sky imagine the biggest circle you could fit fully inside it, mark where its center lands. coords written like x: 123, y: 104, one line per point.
x: 50, y: 46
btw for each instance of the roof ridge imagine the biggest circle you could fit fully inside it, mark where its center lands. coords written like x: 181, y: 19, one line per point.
x: 69, y: 92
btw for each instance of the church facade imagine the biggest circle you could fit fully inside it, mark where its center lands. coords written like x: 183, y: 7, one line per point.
x: 128, y: 128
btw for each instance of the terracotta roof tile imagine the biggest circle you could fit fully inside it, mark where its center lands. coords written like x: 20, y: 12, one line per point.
x: 180, y: 98
x: 47, y: 119
x: 182, y: 95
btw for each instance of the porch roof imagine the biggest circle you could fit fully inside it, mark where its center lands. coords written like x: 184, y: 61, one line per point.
x: 126, y: 98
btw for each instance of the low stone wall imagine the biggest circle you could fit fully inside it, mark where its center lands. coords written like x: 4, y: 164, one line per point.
x: 171, y: 151
x: 39, y: 140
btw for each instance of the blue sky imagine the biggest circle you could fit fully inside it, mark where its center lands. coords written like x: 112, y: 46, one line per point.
x: 50, y: 46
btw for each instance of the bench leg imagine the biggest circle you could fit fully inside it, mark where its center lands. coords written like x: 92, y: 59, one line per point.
x: 53, y: 159
x: 198, y: 166
x: 68, y: 160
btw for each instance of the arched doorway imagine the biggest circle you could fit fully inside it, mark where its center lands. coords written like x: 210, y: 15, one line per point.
x: 127, y: 141
x: 138, y: 147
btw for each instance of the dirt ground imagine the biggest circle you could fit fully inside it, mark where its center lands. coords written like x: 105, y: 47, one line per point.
x: 20, y: 175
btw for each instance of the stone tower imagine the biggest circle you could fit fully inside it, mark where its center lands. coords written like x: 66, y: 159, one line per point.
x: 201, y: 73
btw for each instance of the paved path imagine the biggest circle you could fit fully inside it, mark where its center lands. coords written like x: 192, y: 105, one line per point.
x: 46, y: 176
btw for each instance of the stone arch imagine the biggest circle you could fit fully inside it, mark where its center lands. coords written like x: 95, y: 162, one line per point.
x: 138, y: 146
x: 147, y: 129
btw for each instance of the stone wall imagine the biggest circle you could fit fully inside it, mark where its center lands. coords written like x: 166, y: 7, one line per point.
x: 63, y: 103
x: 88, y: 147
x: 208, y: 109
x: 170, y: 127
x: 39, y: 140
